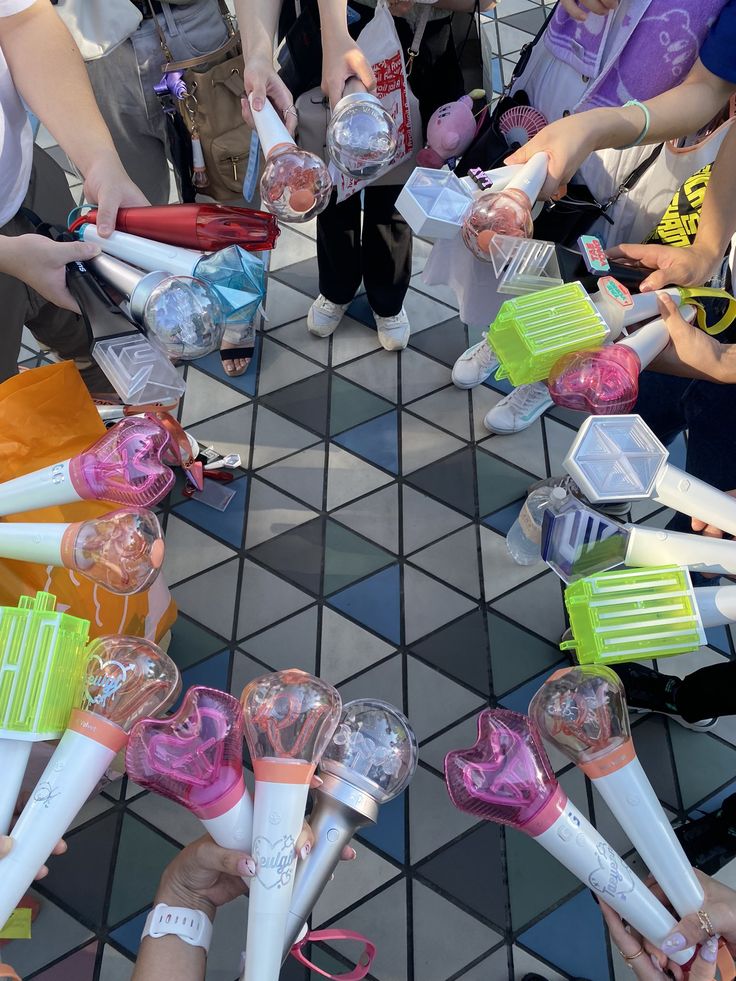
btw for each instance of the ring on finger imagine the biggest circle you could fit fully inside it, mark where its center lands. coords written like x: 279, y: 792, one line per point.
x: 631, y: 957
x: 291, y: 109
x: 705, y: 924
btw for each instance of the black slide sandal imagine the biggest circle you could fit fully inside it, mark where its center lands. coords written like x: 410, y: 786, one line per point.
x: 236, y: 354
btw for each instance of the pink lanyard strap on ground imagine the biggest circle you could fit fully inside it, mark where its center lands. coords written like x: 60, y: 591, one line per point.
x: 364, y: 961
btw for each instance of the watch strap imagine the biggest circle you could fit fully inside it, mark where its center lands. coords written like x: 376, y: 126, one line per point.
x: 190, y: 925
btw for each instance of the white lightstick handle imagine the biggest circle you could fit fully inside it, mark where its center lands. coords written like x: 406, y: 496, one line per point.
x: 654, y: 546
x: 40, y: 489
x: 499, y: 176
x: 70, y: 776
x: 634, y: 804
x: 645, y: 306
x: 576, y: 844
x: 31, y: 542
x: 143, y: 252
x: 531, y: 177
x: 278, y: 814
x: 717, y: 604
x: 270, y: 128
x: 234, y: 828
x: 648, y: 341
x: 14, y: 754
x: 681, y: 491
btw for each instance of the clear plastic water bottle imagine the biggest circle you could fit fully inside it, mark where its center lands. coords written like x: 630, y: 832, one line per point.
x: 524, y: 539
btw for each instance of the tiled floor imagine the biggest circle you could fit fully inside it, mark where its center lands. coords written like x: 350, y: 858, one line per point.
x: 365, y: 543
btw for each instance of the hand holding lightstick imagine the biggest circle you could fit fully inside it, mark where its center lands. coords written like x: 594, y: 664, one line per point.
x: 122, y: 551
x: 124, y: 466
x: 370, y: 760
x: 289, y: 718
x: 361, y: 134
x: 295, y: 185
x: 506, y: 777
x: 127, y: 678
x: 582, y: 712
x: 196, y: 759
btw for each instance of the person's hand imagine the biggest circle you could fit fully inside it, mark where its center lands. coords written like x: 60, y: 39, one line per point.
x: 6, y: 846
x: 204, y: 876
x: 261, y: 82
x: 719, y: 905
x: 108, y: 186
x: 686, y: 266
x: 567, y: 142
x: 342, y: 59
x: 579, y: 9
x: 41, y: 264
x: 691, y: 352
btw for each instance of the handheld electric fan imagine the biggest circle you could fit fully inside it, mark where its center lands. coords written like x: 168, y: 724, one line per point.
x: 361, y: 134
x: 520, y: 123
x: 618, y: 458
x: 42, y: 659
x: 582, y: 713
x: 289, y: 718
x: 195, y: 758
x: 204, y: 227
x: 124, y: 466
x: 370, y: 760
x: 506, y: 777
x: 295, y: 184
x: 236, y: 277
x: 127, y: 678
x: 506, y: 212
x: 578, y: 541
x: 122, y: 551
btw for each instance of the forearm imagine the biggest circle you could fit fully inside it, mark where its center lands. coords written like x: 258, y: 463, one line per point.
x: 714, y: 362
x: 258, y: 21
x: 333, y: 17
x: 171, y: 957
x: 718, y: 216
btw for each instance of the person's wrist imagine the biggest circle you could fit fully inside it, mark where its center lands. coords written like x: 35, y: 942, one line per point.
x: 613, y: 127
x: 103, y: 157
x: 706, y: 257
x: 173, y: 893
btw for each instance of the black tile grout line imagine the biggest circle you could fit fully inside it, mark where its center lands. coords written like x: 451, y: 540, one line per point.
x: 477, y: 961
x: 69, y: 953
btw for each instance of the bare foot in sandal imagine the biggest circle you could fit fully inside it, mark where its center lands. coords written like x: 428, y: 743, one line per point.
x: 235, y: 358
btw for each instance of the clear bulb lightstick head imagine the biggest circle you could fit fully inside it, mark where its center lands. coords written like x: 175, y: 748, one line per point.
x: 582, y: 711
x: 126, y: 465
x: 295, y: 184
x: 128, y: 679
x: 373, y: 748
x: 361, y: 136
x: 506, y: 776
x: 185, y: 317
x: 195, y: 757
x: 122, y: 550
x: 603, y: 382
x: 507, y: 212
x: 290, y: 716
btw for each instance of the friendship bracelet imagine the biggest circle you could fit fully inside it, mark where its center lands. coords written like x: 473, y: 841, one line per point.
x: 647, y: 122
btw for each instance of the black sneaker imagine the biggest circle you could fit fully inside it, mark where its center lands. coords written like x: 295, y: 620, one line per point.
x: 710, y: 842
x: 648, y: 689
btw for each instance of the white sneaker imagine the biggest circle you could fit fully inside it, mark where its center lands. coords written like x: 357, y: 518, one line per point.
x: 475, y: 365
x: 324, y: 316
x: 518, y: 410
x: 393, y: 332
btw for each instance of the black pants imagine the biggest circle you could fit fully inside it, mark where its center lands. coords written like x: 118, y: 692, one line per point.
x: 378, y: 251
x: 708, y: 692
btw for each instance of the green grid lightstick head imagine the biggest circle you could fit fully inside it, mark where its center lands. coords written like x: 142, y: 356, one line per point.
x: 633, y: 614
x: 531, y: 332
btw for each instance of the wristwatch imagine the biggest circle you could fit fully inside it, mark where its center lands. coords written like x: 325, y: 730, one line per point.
x: 190, y: 925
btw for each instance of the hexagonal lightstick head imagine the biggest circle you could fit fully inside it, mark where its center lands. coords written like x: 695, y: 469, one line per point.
x: 616, y: 458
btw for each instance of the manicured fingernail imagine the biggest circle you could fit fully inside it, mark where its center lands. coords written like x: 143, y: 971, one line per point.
x: 675, y: 941
x: 709, y: 950
x: 353, y: 856
x: 654, y: 961
x: 304, y: 851
x: 258, y: 104
x: 246, y: 866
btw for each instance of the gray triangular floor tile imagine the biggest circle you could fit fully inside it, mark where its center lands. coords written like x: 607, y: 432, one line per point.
x: 353, y: 882
x: 245, y: 670
x: 174, y: 820
x: 189, y: 551
x: 292, y: 247
x: 229, y: 433
x: 301, y: 474
x: 435, y: 701
x: 347, y: 648
x: 281, y: 367
x: 454, y: 560
x: 385, y: 682
x: 434, y: 958
x: 115, y: 967
x: 291, y: 644
x: 484, y: 399
x: 493, y: 968
x: 383, y: 916
x: 375, y: 373
x: 559, y: 440
x: 349, y: 477
x: 447, y: 408
x: 434, y: 820
x: 422, y: 444
x: 266, y: 598
x: 538, y: 606
x: 54, y: 934
x: 524, y: 964
x: 500, y: 572
x: 270, y: 513
x: 283, y: 304
x: 276, y: 438
x: 460, y: 736
x: 210, y: 598
x: 376, y: 517
x: 427, y: 604
x: 353, y: 339
x: 525, y: 449
x: 297, y: 336
x: 205, y: 396
x: 421, y: 375
x: 424, y: 311
x: 425, y: 520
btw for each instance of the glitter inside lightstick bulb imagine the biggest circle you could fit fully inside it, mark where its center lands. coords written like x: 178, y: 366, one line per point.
x: 185, y: 317
x: 361, y: 136
x: 295, y: 184
x: 507, y: 212
x: 602, y: 382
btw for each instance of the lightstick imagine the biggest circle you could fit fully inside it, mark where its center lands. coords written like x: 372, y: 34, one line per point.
x: 361, y: 134
x: 507, y: 778
x: 289, y: 718
x: 124, y: 466
x: 370, y: 760
x: 195, y: 758
x: 127, y: 678
x: 582, y: 712
x: 295, y: 184
x: 122, y: 551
